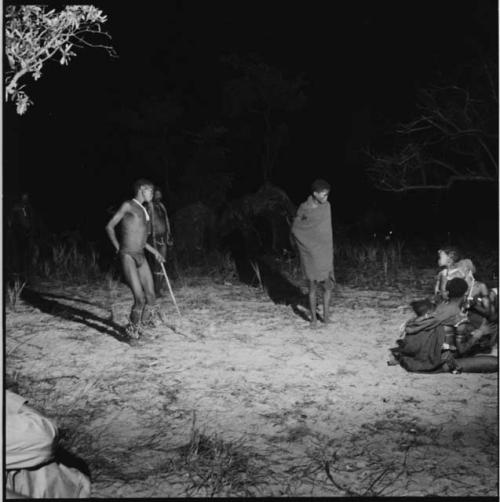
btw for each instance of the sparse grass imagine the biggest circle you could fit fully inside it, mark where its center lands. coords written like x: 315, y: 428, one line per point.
x: 68, y: 260
x: 216, y: 467
x: 370, y: 264
x: 256, y: 268
x: 13, y: 292
x: 112, y: 285
x: 216, y: 265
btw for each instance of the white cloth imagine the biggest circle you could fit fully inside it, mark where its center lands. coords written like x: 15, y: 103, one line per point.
x: 143, y: 208
x: 29, y: 445
x: 49, y: 482
x: 29, y: 436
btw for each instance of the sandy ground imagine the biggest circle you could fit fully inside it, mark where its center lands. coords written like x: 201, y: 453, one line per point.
x: 296, y: 412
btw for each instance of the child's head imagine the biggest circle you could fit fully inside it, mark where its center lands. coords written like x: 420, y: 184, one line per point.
x: 456, y: 288
x: 422, y: 307
x: 448, y: 255
x: 320, y: 190
x: 466, y: 266
x: 320, y: 185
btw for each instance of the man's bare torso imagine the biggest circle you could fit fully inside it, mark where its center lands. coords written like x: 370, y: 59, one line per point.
x: 134, y: 229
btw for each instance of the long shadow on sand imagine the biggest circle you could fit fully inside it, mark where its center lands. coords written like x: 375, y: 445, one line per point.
x: 73, y: 299
x: 279, y: 288
x: 52, y: 307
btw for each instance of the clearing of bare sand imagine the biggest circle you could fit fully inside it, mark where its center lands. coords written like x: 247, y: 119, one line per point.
x: 239, y: 397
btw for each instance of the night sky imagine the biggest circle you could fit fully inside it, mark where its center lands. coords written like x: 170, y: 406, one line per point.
x: 363, y: 61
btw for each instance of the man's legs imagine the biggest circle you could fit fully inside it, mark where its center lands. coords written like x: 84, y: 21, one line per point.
x: 313, y: 287
x: 327, y: 286
x: 131, y: 274
x: 327, y: 294
x: 150, y: 314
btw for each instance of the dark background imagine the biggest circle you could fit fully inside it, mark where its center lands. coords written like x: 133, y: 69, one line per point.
x: 363, y: 61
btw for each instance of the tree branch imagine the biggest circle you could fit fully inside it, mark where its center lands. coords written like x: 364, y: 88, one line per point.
x: 386, y: 187
x: 13, y: 83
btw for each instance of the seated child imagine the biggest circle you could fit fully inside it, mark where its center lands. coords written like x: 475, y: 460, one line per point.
x: 462, y: 268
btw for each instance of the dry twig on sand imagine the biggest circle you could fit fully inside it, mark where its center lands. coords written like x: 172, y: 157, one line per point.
x: 217, y: 467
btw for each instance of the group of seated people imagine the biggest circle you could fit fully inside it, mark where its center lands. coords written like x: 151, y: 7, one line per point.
x: 455, y: 331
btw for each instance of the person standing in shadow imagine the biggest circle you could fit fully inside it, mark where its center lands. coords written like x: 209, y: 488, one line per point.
x: 312, y: 230
x: 21, y: 226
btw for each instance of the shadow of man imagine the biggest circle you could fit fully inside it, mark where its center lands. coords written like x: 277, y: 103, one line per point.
x: 69, y: 459
x: 52, y: 307
x: 281, y: 291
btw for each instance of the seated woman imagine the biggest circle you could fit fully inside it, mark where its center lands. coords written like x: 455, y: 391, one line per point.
x: 429, y: 343
x: 482, y: 322
x: 483, y: 302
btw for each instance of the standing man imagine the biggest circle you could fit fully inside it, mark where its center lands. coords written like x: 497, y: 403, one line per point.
x: 160, y: 237
x: 135, y: 225
x: 22, y: 227
x: 312, y: 230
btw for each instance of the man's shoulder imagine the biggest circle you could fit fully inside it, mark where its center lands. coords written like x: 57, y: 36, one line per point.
x: 307, y: 204
x: 127, y: 207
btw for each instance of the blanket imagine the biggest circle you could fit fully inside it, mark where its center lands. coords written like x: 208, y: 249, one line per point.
x: 312, y: 230
x: 422, y: 347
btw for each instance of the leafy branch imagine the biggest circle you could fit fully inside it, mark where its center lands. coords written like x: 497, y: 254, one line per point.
x: 35, y: 35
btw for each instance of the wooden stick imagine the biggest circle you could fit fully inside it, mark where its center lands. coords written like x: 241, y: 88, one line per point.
x: 170, y: 288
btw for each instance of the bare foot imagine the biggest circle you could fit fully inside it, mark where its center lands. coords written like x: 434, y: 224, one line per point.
x: 392, y: 361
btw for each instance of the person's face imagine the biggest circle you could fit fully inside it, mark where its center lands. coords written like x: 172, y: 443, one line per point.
x: 147, y: 193
x: 158, y: 195
x: 443, y: 259
x: 322, y: 196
